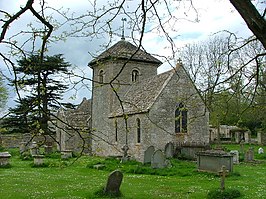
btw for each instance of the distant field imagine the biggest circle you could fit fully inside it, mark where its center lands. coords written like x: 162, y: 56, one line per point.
x: 62, y: 179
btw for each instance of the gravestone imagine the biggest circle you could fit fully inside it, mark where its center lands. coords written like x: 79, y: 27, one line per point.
x: 260, y: 150
x: 169, y: 150
x: 113, y: 182
x: 249, y: 155
x: 235, y: 155
x: 158, y: 159
x: 4, y: 158
x: 148, y: 154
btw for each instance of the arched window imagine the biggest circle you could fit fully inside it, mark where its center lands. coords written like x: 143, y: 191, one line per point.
x: 116, y: 131
x: 138, y: 131
x: 100, y: 76
x: 180, y: 119
x: 135, y: 76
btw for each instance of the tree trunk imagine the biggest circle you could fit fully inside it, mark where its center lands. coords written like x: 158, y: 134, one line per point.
x: 255, y: 22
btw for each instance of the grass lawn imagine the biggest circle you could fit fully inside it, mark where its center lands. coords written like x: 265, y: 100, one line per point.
x: 61, y: 179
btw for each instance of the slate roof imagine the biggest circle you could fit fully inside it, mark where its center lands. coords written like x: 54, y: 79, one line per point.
x: 80, y: 116
x: 124, y: 50
x: 141, y: 96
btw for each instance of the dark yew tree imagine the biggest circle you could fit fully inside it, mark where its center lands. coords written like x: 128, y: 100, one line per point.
x: 40, y: 80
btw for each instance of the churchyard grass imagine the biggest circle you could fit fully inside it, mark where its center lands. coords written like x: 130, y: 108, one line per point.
x: 62, y: 179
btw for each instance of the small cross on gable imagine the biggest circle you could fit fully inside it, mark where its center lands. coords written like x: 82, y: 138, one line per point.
x: 223, y: 172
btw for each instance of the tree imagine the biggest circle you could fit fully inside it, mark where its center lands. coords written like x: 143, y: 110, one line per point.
x: 255, y: 21
x: 232, y: 92
x: 206, y: 62
x: 38, y: 78
x: 3, y: 92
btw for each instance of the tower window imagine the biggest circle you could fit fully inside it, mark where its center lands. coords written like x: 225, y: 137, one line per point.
x: 180, y: 119
x: 138, y: 131
x: 100, y: 76
x: 135, y: 76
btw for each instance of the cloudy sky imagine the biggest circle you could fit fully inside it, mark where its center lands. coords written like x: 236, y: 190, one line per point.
x: 210, y: 17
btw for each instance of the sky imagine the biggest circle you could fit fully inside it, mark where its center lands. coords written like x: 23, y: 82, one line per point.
x: 210, y: 17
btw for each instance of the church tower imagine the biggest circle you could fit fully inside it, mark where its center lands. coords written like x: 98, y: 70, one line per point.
x: 114, y: 71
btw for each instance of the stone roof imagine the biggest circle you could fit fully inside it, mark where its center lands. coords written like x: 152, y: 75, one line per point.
x: 142, y: 95
x: 79, y: 117
x: 124, y: 50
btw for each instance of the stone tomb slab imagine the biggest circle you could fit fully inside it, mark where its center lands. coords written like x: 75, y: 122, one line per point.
x: 4, y: 158
x: 213, y: 160
x: 38, y: 160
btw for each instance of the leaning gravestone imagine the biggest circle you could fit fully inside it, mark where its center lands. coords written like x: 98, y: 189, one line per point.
x: 169, y: 150
x: 148, y: 154
x: 113, y: 182
x: 158, y: 159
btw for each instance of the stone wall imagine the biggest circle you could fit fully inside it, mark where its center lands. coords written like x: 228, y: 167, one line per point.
x: 14, y: 140
x: 73, y: 128
x: 105, y: 100
x: 11, y: 140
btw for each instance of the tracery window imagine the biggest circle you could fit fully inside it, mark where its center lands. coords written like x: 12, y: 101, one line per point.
x: 180, y: 118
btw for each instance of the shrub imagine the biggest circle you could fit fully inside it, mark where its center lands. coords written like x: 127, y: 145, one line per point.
x: 6, y: 166
x: 226, y: 194
x: 102, y: 194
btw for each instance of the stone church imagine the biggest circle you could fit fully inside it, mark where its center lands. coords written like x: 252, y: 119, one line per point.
x: 132, y: 107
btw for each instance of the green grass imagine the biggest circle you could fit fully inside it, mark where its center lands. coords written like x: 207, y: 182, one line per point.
x: 65, y: 179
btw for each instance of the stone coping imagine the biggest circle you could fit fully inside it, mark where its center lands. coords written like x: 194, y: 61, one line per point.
x: 5, y: 155
x: 219, y: 153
